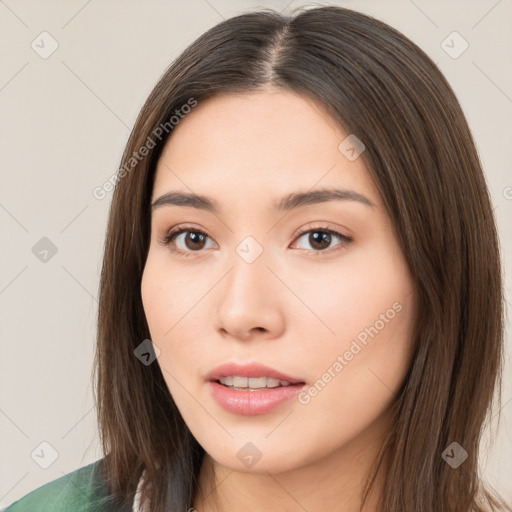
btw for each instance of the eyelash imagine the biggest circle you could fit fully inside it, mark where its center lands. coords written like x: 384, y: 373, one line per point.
x: 175, y: 232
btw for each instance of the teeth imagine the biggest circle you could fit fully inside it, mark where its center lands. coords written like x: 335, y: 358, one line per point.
x: 228, y: 381
x: 252, y: 382
x: 240, y: 382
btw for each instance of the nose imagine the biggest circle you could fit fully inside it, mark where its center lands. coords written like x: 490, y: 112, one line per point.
x: 250, y: 301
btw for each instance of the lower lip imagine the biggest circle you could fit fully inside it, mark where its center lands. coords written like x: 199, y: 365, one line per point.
x: 251, y: 403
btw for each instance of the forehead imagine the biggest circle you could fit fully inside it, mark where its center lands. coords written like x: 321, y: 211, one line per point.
x: 258, y: 145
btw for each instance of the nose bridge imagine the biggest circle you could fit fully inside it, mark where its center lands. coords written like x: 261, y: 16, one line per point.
x: 249, y: 274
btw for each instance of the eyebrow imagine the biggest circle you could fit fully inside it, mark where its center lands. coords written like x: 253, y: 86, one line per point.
x: 290, y: 202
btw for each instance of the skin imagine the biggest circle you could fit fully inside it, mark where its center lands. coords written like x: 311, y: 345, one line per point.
x: 292, y: 309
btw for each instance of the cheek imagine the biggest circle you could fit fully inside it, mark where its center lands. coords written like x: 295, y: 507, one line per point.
x: 170, y: 306
x: 167, y: 297
x: 357, y: 374
x: 370, y: 346
x: 363, y: 298
x: 360, y: 355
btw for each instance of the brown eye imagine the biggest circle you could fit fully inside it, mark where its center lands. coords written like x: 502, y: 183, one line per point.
x: 193, y: 240
x: 320, y: 239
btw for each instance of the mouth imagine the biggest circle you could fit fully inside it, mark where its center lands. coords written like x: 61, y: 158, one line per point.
x: 251, y: 389
x: 251, y: 375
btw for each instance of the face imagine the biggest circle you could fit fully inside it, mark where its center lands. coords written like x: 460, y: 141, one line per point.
x: 314, y: 287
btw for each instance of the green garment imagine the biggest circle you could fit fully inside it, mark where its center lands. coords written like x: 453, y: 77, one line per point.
x: 79, y: 491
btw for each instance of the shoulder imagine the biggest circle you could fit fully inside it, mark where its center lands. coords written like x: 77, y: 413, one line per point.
x: 82, y: 490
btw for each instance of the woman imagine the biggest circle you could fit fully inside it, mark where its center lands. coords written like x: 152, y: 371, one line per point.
x: 301, y: 297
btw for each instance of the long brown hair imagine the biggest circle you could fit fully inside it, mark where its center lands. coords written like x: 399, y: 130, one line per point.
x: 383, y: 88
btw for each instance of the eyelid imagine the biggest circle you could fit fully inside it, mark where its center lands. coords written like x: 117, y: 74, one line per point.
x: 312, y: 226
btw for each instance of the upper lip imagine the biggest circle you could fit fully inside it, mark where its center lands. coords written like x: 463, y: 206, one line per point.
x: 249, y: 370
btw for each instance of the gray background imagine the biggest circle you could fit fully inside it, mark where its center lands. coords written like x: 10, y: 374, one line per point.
x: 65, y: 120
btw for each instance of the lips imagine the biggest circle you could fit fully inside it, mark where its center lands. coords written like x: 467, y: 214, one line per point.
x: 250, y: 370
